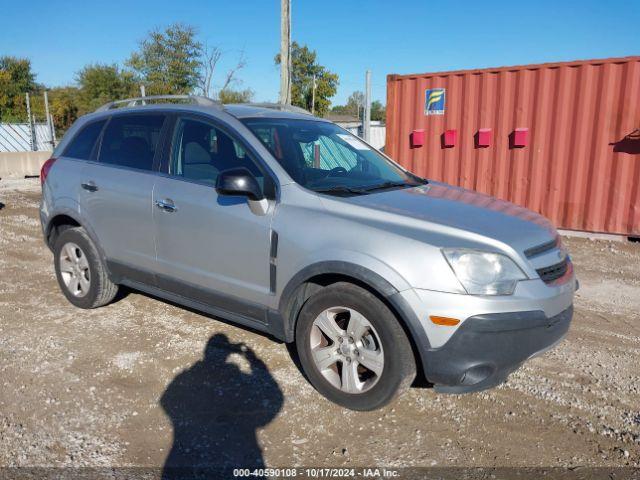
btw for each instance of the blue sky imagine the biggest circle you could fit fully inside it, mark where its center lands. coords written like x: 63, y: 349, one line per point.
x: 350, y: 36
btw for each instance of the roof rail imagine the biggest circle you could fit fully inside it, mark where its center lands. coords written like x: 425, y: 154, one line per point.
x: 132, y: 102
x: 279, y: 106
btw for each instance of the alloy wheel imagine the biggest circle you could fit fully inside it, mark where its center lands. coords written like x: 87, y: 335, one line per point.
x: 74, y: 269
x: 346, y: 349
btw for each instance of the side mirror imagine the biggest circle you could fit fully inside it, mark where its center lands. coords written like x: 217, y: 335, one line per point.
x: 239, y: 182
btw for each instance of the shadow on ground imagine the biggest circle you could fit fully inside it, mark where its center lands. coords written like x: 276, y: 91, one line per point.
x: 215, y: 408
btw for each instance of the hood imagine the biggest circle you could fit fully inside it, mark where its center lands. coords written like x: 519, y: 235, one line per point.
x: 464, y: 210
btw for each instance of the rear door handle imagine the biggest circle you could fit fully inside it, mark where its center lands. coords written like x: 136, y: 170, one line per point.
x: 89, y: 186
x: 167, y: 205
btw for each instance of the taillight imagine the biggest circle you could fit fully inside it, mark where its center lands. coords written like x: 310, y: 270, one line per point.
x: 44, y: 171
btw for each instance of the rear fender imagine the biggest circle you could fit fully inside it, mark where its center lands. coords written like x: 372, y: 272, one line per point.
x: 68, y: 207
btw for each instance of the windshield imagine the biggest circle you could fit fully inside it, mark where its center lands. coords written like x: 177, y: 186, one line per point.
x: 325, y: 158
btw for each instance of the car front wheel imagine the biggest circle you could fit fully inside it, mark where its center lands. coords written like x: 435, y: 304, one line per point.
x: 352, y: 348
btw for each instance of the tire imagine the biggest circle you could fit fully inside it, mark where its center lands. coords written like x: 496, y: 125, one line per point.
x: 80, y: 271
x: 376, y: 382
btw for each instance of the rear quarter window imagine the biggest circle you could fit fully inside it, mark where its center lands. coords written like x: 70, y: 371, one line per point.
x: 83, y: 143
x: 131, y: 141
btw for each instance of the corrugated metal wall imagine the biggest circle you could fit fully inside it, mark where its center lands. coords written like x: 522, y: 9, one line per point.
x: 581, y: 167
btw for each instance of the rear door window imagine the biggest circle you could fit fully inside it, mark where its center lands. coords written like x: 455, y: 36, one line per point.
x: 131, y: 140
x: 84, y: 142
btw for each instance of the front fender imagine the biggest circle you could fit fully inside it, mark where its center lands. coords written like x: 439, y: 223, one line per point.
x: 383, y: 280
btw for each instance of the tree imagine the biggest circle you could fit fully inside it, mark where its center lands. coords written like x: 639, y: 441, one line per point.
x: 340, y: 110
x: 209, y: 63
x: 16, y: 79
x: 64, y: 107
x: 169, y: 61
x: 303, y: 67
x: 378, y: 111
x: 235, y: 96
x: 100, y: 84
x: 353, y: 107
x: 355, y: 104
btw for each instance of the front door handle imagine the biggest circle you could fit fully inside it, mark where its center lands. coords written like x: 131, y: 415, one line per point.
x: 89, y: 186
x: 167, y: 205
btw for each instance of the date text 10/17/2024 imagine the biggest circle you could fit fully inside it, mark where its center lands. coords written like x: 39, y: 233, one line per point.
x: 304, y: 472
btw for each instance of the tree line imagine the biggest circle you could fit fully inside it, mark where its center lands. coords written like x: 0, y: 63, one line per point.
x: 355, y: 105
x: 167, y: 61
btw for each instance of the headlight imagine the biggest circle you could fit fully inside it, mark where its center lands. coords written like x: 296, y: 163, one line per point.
x: 484, y: 273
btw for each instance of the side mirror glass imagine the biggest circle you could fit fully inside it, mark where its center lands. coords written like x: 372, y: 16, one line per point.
x: 239, y: 182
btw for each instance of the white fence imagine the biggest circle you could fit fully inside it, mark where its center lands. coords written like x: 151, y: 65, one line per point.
x: 17, y: 137
x: 378, y: 134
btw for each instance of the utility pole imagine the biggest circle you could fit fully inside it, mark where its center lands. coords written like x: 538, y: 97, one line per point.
x: 285, y: 52
x: 52, y: 136
x: 313, y: 96
x: 54, y: 140
x: 366, y: 121
x: 32, y: 131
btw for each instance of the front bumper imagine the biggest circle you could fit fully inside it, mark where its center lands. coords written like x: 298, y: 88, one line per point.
x: 495, y: 336
x: 487, y: 348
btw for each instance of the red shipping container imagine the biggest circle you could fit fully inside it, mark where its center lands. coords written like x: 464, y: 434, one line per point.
x: 581, y: 165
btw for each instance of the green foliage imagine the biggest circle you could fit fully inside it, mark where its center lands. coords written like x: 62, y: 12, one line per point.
x: 64, y: 107
x: 378, y: 111
x: 168, y: 62
x: 235, y: 96
x: 16, y: 79
x: 97, y: 85
x: 341, y: 110
x: 303, y: 67
x: 355, y: 104
x: 100, y: 84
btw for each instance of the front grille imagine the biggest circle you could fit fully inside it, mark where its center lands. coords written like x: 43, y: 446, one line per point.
x: 553, y: 272
x: 539, y: 249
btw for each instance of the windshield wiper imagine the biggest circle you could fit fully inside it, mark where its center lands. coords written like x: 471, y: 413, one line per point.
x: 341, y: 189
x: 366, y: 188
x: 384, y: 185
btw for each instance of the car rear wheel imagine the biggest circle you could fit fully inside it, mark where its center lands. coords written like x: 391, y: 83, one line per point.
x: 80, y: 272
x: 352, y: 348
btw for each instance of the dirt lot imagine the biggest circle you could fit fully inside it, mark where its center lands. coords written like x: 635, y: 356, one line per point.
x: 109, y: 387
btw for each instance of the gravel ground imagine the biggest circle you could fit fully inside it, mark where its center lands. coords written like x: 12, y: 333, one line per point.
x: 111, y: 387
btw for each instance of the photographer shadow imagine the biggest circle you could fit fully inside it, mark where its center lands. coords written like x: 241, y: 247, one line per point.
x: 215, y: 408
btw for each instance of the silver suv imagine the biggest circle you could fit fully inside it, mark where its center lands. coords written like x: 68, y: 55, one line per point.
x: 286, y: 223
